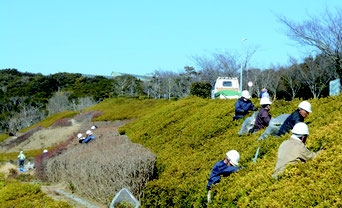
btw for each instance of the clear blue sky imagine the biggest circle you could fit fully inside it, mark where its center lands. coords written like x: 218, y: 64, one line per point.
x: 141, y: 36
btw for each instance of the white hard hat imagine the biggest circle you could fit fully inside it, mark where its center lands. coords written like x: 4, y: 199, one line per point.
x: 233, y: 157
x: 301, y: 128
x: 265, y: 101
x: 79, y: 135
x: 245, y: 94
x: 21, y: 152
x: 305, y: 105
x: 45, y: 151
x: 93, y: 127
x: 89, y: 132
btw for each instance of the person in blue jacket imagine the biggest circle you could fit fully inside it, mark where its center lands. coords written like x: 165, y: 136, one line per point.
x: 90, y: 137
x: 304, y: 108
x: 243, y: 105
x: 224, y: 168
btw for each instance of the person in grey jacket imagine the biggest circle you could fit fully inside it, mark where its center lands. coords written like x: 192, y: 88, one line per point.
x: 293, y: 150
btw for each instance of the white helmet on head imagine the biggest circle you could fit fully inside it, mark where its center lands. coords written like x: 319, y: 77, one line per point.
x: 45, y: 151
x: 301, y: 128
x: 245, y: 94
x: 305, y: 105
x: 89, y: 132
x: 233, y: 157
x: 265, y: 101
x: 79, y: 135
x: 93, y: 127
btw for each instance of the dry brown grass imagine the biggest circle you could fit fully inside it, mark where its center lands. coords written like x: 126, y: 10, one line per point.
x: 46, y: 138
x: 6, y: 169
x: 101, y: 168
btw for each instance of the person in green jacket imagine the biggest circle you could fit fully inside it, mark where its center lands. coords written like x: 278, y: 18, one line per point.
x: 22, y: 158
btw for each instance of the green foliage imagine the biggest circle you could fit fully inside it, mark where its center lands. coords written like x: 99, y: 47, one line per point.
x: 121, y: 108
x: 98, y: 87
x: 16, y: 194
x: 3, y: 137
x: 51, y: 119
x: 189, y: 136
x: 200, y: 89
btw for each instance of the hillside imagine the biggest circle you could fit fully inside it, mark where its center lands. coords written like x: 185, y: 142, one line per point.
x: 190, y: 135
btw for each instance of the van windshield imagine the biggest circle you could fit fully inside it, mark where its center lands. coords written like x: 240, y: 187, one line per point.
x: 227, y: 84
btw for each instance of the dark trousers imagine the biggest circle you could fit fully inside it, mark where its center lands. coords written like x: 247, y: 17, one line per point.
x: 21, y: 163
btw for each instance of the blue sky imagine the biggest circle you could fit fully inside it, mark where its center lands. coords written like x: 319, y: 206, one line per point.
x: 139, y: 37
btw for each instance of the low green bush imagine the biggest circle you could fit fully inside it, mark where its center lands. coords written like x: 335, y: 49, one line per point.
x: 25, y: 195
x: 189, y: 136
x: 121, y: 108
x: 3, y: 137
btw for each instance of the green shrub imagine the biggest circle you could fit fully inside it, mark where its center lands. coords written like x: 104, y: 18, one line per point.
x: 121, y: 108
x: 200, y: 89
x: 3, y: 137
x: 25, y: 195
x: 189, y: 136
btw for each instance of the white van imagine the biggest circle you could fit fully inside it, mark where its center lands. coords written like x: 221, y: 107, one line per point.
x: 226, y: 88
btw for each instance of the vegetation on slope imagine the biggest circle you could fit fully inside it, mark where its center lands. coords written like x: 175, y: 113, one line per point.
x: 16, y: 194
x: 191, y: 135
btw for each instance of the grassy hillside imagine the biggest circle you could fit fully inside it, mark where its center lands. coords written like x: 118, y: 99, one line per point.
x: 189, y: 136
x: 16, y: 194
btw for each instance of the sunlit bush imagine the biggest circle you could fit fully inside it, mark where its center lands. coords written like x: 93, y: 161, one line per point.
x: 189, y: 136
x: 16, y: 194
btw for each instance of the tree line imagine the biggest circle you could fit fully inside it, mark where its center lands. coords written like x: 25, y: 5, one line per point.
x: 36, y: 96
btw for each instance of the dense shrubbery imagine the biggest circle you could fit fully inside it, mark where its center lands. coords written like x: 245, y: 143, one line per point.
x: 200, y: 89
x: 191, y: 135
x: 16, y: 194
x: 121, y: 109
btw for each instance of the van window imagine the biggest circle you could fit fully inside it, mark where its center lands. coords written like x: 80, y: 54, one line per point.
x: 227, y: 84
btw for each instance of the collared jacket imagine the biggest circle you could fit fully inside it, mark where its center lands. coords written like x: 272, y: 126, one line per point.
x: 262, y: 120
x: 220, y: 169
x: 289, y: 123
x: 292, y: 151
x: 242, y: 106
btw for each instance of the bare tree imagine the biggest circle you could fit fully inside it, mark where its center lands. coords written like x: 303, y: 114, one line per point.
x: 323, y: 32
x: 27, y: 116
x: 120, y: 84
x: 316, y: 74
x: 59, y: 102
x: 291, y: 79
x: 82, y: 103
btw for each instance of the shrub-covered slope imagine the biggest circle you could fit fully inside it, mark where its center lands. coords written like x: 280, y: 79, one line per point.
x: 189, y: 136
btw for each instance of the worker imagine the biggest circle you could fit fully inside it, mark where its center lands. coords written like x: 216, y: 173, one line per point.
x: 304, y: 108
x: 263, y: 118
x: 89, y: 137
x: 22, y: 158
x: 243, y: 105
x: 224, y: 168
x: 293, y: 150
x: 44, y: 153
x: 80, y: 137
x: 264, y: 93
